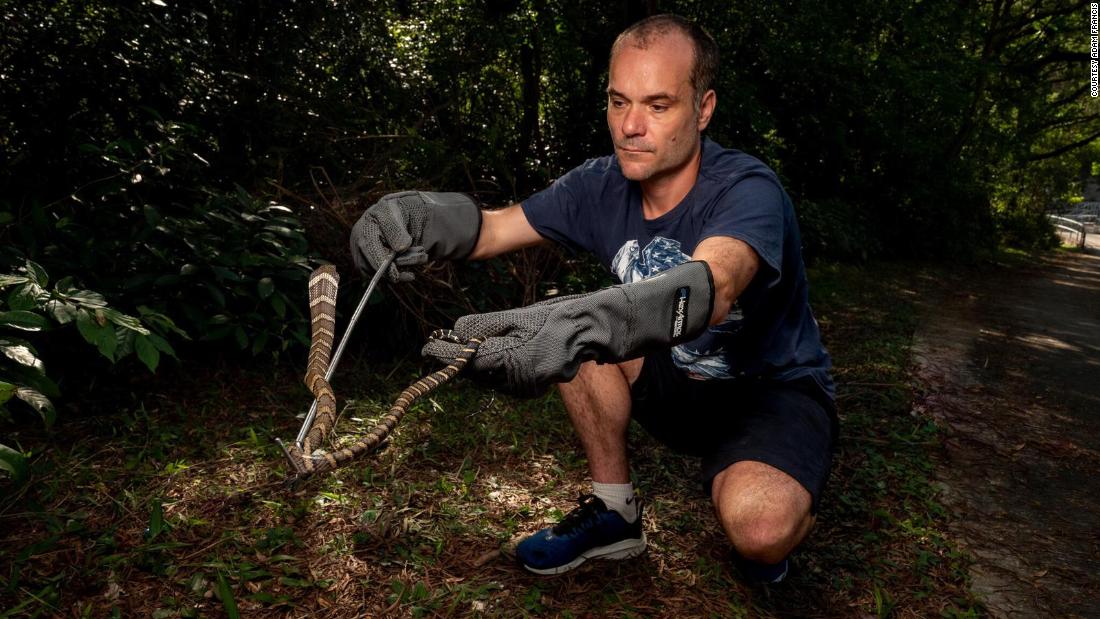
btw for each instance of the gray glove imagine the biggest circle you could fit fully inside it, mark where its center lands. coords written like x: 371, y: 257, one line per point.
x: 417, y: 226
x: 526, y: 349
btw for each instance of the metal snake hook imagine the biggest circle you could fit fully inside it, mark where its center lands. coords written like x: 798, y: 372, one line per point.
x: 340, y: 348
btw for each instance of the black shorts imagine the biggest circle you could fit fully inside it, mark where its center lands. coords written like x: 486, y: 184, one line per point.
x: 790, y: 425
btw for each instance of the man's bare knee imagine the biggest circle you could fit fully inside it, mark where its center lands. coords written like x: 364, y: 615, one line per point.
x: 765, y: 539
x: 764, y: 512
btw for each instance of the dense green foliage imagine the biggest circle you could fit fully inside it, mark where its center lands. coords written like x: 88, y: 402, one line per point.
x: 30, y: 309
x: 190, y: 158
x: 920, y: 122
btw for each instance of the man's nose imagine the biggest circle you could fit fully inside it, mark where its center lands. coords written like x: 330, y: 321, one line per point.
x: 634, y: 121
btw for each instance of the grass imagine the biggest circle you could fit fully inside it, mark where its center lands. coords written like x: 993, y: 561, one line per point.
x: 172, y: 508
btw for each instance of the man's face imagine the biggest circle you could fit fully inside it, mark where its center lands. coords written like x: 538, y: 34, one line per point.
x: 650, y: 109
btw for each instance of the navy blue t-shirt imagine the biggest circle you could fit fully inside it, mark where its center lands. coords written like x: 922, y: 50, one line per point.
x: 770, y: 331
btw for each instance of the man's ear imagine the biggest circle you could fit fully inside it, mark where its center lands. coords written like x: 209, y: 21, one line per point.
x: 706, y: 109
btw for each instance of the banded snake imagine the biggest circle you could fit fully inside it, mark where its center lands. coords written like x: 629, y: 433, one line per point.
x: 323, y: 284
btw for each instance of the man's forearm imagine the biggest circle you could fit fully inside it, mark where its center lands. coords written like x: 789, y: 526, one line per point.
x: 504, y: 230
x: 733, y: 264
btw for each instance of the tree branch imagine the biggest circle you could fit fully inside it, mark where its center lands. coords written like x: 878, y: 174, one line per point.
x: 1060, y: 122
x: 1064, y: 149
x: 1017, y: 27
x: 1058, y: 55
x: 1073, y: 96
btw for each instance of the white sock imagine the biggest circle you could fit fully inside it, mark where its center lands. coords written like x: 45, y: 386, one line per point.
x: 619, y: 497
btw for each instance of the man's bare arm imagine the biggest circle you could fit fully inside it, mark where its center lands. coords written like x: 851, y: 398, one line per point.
x: 504, y: 230
x: 733, y: 264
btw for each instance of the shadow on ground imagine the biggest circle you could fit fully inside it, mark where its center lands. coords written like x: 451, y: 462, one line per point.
x: 1009, y: 360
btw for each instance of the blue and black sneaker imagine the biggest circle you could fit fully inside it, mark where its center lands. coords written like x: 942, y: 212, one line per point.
x: 590, y: 531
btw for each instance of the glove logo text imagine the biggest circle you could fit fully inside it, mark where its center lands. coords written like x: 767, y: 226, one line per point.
x: 682, y: 296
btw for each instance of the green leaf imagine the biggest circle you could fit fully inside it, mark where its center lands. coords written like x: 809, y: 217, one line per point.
x: 14, y: 463
x: 25, y: 297
x: 11, y: 280
x: 61, y: 311
x: 22, y: 319
x: 224, y: 273
x: 21, y: 352
x: 6, y: 391
x: 265, y: 287
x: 37, y: 273
x: 38, y: 402
x: 156, y: 520
x: 259, y: 343
x: 147, y: 352
x: 226, y: 595
x: 278, y: 208
x: 124, y: 320
x: 162, y: 345
x: 241, y: 337
x: 279, y: 304
x: 86, y: 325
x: 85, y: 298
x: 101, y: 336
x: 216, y: 294
x: 282, y: 231
x: 65, y: 285
x: 32, y: 377
x: 154, y: 318
x: 125, y: 340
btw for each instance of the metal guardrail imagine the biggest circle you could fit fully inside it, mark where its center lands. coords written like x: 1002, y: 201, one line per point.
x: 1087, y: 213
x: 1070, y: 231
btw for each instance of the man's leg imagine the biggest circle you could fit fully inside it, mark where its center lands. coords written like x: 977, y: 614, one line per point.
x: 607, y: 525
x: 764, y: 512
x: 598, y: 401
x: 766, y: 478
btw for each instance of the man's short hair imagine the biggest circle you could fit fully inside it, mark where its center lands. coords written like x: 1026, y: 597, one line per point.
x: 705, y: 65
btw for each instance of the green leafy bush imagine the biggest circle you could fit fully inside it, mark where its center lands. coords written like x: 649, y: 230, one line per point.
x: 223, y: 264
x: 1023, y: 229
x: 31, y: 311
x: 232, y: 268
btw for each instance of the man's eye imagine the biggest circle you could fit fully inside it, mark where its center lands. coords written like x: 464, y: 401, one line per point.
x: 617, y: 104
x: 658, y: 108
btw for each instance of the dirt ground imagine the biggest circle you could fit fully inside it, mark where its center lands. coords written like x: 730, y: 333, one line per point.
x: 1009, y: 359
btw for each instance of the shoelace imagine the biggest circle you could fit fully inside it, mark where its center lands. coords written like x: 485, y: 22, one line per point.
x: 581, y: 518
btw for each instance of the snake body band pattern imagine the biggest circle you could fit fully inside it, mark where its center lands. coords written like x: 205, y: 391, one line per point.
x: 323, y: 284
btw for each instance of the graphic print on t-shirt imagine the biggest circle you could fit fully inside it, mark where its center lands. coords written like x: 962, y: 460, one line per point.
x: 703, y: 357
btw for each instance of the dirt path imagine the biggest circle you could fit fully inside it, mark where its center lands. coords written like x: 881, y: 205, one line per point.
x: 1011, y: 362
